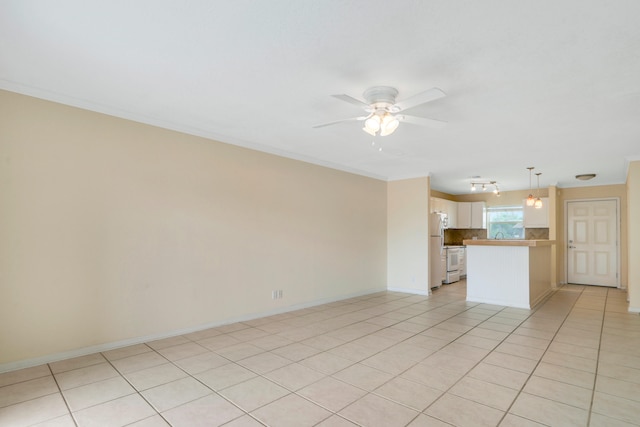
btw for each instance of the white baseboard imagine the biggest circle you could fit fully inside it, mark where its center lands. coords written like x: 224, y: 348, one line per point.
x: 28, y: 363
x: 408, y: 291
x: 542, y: 297
x: 492, y: 301
x: 634, y: 310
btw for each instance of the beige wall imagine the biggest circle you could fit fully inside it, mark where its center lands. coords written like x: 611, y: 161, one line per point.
x: 112, y: 230
x: 633, y: 212
x: 440, y: 195
x: 408, y: 235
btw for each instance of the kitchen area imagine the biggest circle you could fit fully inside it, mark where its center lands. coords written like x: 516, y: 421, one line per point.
x: 456, y: 227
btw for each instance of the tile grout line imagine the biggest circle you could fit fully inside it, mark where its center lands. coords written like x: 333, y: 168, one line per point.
x: 73, y: 418
x: 138, y: 392
x: 595, y: 376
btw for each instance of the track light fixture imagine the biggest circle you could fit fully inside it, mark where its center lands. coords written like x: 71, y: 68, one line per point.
x: 485, y: 185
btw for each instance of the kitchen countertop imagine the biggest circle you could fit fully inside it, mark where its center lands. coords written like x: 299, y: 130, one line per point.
x: 507, y: 242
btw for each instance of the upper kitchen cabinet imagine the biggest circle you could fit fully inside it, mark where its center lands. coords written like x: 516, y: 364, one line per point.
x: 437, y: 205
x: 471, y: 215
x: 452, y: 213
x: 447, y: 207
x: 536, y: 218
x: 478, y: 215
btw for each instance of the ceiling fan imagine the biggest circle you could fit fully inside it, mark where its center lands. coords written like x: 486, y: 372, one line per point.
x: 382, y: 108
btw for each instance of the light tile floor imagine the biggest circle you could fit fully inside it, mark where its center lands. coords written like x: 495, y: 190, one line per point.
x: 386, y: 359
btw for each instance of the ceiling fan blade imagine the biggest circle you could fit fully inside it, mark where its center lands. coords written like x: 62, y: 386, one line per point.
x: 351, y: 100
x: 422, y: 121
x: 421, y: 98
x: 339, y: 121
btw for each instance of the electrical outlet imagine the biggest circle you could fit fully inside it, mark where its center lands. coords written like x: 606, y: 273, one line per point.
x: 274, y: 294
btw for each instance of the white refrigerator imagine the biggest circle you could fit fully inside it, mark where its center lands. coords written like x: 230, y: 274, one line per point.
x: 436, y: 246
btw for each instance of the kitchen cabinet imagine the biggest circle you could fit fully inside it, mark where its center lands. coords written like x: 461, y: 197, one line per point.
x: 471, y: 215
x: 464, y: 215
x: 451, y: 209
x: 536, y: 218
x: 437, y: 205
x: 447, y: 207
x: 478, y: 219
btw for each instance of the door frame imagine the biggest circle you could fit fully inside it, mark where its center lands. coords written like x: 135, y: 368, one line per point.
x: 566, y: 234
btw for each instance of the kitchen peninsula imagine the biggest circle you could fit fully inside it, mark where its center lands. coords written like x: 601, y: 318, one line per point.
x: 515, y: 273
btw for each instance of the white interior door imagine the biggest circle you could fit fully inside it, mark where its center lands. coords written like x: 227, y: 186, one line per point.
x: 592, y: 247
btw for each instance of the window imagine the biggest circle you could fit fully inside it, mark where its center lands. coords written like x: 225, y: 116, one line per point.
x: 505, y: 222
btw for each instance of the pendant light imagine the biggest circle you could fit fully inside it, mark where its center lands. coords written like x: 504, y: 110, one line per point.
x: 530, y: 200
x: 538, y: 203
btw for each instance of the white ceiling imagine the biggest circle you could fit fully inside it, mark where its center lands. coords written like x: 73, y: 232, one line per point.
x: 551, y: 84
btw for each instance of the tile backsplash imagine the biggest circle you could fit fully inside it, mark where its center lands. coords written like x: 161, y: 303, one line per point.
x: 536, y: 233
x: 455, y: 236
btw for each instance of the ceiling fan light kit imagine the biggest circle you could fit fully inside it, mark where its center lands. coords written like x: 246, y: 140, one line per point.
x: 381, y: 121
